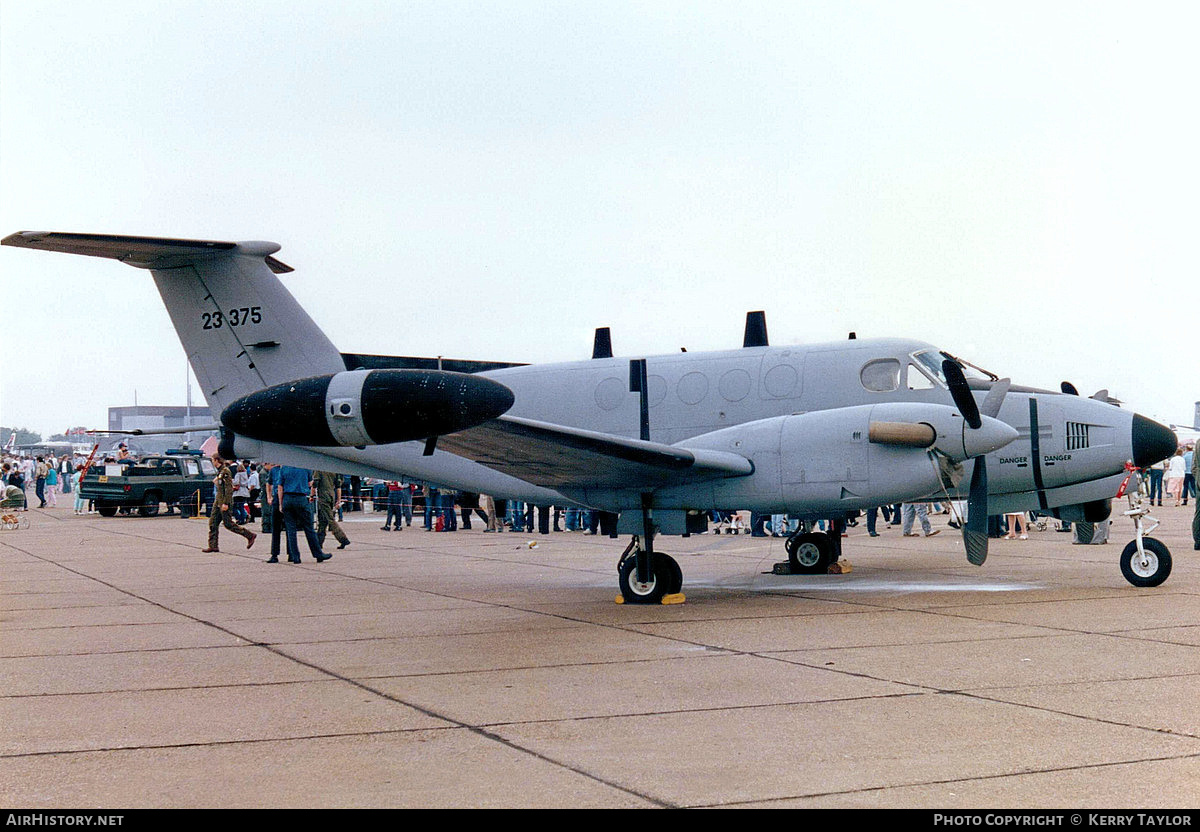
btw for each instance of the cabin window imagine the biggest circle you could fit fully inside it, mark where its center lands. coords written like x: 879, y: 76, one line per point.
x: 881, y: 375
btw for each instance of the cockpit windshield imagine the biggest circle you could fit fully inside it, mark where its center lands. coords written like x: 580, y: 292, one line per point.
x: 931, y: 362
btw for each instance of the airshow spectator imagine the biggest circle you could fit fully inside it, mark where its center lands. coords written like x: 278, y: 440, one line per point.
x: 1196, y: 514
x: 295, y: 488
x: 916, y: 511
x: 1175, y: 472
x: 329, y: 497
x: 221, y: 512
x: 52, y: 482
x: 1189, y: 479
x: 395, y: 505
x: 40, y: 472
x: 1016, y: 522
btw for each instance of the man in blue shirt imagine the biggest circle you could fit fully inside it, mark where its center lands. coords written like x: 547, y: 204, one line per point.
x: 295, y: 487
x: 271, y: 507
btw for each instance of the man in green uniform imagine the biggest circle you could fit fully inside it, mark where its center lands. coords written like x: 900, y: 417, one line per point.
x: 222, y: 498
x: 329, y: 496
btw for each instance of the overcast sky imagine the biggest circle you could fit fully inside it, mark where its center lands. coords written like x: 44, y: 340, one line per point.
x: 1016, y: 183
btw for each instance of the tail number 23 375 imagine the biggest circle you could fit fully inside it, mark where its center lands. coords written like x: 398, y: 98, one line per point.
x: 238, y: 316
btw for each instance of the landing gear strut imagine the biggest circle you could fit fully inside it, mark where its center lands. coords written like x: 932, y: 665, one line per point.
x: 646, y: 576
x: 665, y: 578
x: 1145, y: 561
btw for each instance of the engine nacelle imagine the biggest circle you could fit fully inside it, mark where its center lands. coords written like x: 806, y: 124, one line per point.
x: 367, y: 407
x: 838, y: 460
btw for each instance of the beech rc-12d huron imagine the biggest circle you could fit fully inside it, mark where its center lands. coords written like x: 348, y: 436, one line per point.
x: 818, y: 431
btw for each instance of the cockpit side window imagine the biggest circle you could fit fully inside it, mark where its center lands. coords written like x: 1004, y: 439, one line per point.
x: 931, y: 363
x: 917, y: 380
x: 881, y: 375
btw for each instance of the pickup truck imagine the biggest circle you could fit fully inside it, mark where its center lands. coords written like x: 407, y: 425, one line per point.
x: 146, y: 484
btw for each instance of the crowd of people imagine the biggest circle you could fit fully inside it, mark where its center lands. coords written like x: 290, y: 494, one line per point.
x: 246, y: 491
x: 49, y: 475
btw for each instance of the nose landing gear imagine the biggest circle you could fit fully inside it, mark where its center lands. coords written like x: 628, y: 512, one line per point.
x: 1145, y: 561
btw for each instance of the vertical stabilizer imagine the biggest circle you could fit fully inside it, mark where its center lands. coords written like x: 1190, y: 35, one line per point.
x: 241, y: 328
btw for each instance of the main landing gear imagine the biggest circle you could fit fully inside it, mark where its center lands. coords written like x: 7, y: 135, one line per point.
x: 647, y: 576
x: 812, y: 553
x: 663, y: 584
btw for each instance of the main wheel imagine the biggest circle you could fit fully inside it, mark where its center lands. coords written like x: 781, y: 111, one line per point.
x: 809, y: 554
x: 1151, y: 571
x: 149, y: 506
x: 106, y: 510
x: 666, y: 578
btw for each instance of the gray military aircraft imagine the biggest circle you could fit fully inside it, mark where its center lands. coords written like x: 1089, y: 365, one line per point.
x: 818, y: 431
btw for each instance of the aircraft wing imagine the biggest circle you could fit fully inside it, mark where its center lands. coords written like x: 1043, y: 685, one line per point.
x: 557, y: 456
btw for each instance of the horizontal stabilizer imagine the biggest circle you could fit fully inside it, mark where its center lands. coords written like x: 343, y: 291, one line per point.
x: 143, y: 252
x: 158, y: 431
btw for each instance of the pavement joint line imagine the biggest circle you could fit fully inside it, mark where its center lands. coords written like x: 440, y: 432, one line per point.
x: 715, y: 709
x: 485, y: 734
x: 966, y: 692
x: 948, y: 781
x: 216, y: 743
x: 1084, y: 717
x: 477, y: 730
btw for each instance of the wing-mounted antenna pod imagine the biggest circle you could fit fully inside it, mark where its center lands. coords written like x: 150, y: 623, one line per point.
x: 756, y: 330
x: 602, y: 343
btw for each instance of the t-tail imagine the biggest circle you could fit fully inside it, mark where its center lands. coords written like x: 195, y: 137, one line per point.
x: 241, y: 328
x: 264, y: 364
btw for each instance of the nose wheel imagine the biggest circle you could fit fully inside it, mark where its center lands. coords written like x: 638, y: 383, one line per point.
x: 1150, y: 567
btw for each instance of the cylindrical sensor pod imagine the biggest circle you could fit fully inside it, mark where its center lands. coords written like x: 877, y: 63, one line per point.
x: 367, y: 407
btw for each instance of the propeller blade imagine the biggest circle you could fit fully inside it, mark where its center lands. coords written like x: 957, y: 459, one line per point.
x: 975, y: 532
x: 963, y: 399
x: 995, y: 398
x: 1068, y: 388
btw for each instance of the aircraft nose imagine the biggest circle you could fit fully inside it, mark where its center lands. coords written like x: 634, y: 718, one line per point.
x: 1151, y: 441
